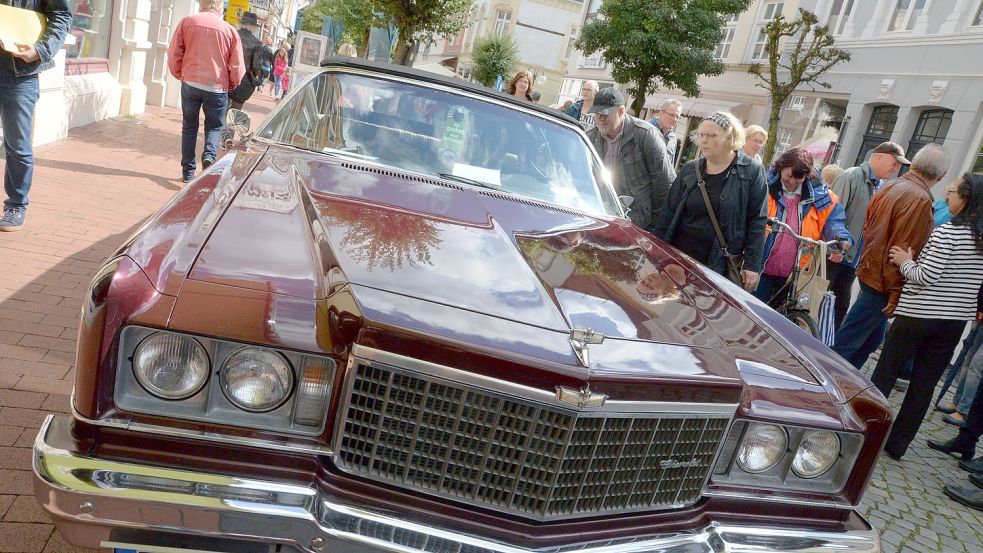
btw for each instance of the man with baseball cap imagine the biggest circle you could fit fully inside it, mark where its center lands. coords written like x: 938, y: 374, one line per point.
x: 899, y: 214
x: 634, y: 154
x: 854, y: 188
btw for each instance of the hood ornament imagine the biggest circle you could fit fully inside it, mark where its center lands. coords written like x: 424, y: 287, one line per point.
x: 581, y: 398
x: 580, y: 339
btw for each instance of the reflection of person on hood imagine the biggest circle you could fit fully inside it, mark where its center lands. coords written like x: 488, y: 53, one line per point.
x: 661, y: 286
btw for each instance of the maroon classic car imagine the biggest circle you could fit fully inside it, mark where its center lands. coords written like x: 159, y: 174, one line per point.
x: 409, y: 314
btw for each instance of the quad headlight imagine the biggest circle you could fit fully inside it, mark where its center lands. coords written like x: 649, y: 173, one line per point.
x: 170, y: 366
x: 763, y: 447
x: 817, y: 452
x: 256, y: 379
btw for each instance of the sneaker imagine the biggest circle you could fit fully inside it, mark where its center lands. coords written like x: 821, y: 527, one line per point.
x: 187, y: 177
x: 13, y: 218
x: 206, y: 163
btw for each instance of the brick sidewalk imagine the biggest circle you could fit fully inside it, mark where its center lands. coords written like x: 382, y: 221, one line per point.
x: 91, y: 191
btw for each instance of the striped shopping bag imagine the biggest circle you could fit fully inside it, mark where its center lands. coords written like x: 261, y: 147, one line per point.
x: 827, y: 319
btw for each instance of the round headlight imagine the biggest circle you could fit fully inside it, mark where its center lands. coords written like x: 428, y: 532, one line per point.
x: 170, y: 366
x: 256, y: 379
x: 817, y: 453
x: 762, y: 448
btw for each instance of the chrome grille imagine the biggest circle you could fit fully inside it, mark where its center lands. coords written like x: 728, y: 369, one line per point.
x: 512, y: 454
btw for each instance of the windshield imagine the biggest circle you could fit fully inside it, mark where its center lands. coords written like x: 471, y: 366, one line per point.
x: 421, y: 129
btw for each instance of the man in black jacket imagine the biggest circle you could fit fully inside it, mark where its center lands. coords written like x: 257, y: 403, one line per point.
x: 19, y: 92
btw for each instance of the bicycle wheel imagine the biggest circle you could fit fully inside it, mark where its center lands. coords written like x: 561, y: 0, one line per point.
x: 804, y: 321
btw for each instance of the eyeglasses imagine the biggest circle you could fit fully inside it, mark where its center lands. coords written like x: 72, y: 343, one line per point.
x: 708, y: 136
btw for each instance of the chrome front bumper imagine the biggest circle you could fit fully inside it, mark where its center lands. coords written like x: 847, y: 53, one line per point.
x: 99, y: 503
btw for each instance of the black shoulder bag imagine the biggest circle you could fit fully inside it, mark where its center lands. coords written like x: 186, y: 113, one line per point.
x: 735, y: 263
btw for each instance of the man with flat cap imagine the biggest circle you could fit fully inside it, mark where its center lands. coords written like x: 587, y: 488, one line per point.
x: 634, y: 154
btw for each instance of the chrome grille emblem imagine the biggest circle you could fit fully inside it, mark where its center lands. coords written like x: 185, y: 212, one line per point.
x: 581, y: 398
x: 674, y: 464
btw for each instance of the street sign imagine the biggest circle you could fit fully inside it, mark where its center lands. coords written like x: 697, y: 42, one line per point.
x: 235, y: 11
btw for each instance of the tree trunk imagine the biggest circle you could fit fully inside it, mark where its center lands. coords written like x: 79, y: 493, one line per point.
x: 404, y: 47
x: 639, y: 101
x: 776, y: 110
x: 364, y: 50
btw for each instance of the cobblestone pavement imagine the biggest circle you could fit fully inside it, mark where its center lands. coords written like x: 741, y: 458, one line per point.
x: 77, y: 218
x: 905, y: 500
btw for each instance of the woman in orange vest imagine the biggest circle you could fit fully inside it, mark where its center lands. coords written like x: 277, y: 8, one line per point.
x: 798, y: 198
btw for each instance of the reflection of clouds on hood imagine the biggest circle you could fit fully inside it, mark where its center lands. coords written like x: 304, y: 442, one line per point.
x: 603, y: 316
x: 645, y: 358
x: 353, y: 183
x: 456, y: 323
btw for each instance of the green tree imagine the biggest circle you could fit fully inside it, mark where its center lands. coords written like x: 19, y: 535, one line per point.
x: 419, y: 21
x: 493, y: 56
x: 807, y: 59
x: 355, y: 16
x: 653, y: 42
x: 313, y: 18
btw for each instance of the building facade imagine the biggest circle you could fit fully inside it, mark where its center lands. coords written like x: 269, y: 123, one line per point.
x: 914, y: 78
x: 544, y: 31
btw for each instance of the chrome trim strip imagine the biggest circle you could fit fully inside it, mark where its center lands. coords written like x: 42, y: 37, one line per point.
x: 127, y: 424
x: 65, y: 478
x: 782, y: 500
x: 547, y: 397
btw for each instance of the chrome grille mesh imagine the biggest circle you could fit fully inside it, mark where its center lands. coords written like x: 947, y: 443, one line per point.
x: 511, y: 454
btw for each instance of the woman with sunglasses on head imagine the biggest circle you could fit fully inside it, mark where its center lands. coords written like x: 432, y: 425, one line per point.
x: 798, y: 198
x: 732, y: 185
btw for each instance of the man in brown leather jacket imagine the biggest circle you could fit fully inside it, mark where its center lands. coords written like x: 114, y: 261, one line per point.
x: 899, y: 214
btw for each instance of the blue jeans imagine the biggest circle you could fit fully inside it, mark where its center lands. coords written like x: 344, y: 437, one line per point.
x: 18, y: 95
x: 970, y: 343
x: 277, y: 85
x: 969, y: 379
x: 768, y: 285
x: 863, y: 328
x: 193, y: 101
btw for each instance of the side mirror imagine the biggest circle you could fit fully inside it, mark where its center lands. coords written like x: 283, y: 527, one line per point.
x: 238, y: 120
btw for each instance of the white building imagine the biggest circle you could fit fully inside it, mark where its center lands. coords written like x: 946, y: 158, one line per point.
x: 915, y: 77
x: 543, y: 29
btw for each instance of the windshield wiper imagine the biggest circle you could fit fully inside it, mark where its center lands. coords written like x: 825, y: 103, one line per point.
x: 466, y: 180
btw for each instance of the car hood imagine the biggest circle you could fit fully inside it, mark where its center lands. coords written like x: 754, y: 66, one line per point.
x: 305, y: 224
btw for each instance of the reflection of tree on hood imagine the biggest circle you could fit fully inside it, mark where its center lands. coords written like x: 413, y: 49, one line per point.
x: 383, y: 238
x: 589, y: 259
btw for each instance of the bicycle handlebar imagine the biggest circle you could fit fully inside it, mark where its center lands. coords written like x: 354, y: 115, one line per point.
x: 833, y: 244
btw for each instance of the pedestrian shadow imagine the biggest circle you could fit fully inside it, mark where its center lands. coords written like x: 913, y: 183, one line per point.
x: 76, y: 167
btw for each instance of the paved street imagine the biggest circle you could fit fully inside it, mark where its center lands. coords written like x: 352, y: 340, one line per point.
x: 94, y: 188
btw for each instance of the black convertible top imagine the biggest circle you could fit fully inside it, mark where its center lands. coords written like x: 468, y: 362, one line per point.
x: 461, y: 84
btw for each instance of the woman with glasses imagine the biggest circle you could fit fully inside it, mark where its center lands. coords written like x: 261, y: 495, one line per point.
x: 798, y: 198
x: 734, y: 186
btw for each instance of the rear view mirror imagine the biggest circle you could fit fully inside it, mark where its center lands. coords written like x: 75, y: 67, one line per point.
x: 238, y: 120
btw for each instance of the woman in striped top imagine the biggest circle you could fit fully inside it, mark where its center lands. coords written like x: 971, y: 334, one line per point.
x: 938, y: 299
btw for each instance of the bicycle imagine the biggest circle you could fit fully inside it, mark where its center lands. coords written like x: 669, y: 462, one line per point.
x: 791, y: 301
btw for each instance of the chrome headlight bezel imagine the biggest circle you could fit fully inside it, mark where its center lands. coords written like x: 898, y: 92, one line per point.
x: 781, y: 477
x: 302, y: 412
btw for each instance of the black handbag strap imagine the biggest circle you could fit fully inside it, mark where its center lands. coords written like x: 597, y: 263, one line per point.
x: 713, y: 216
